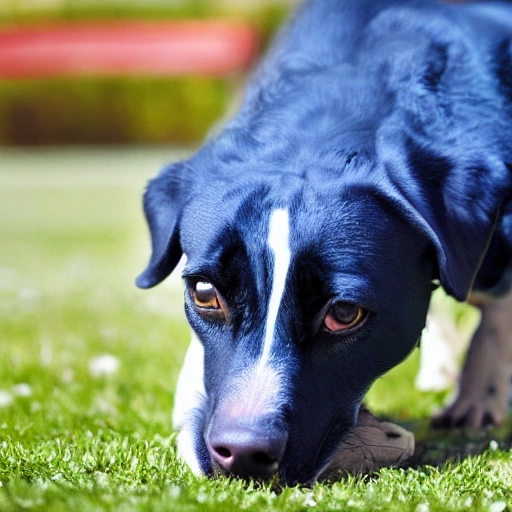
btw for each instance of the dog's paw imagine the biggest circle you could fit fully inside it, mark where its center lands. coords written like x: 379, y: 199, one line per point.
x: 373, y: 444
x: 471, y: 412
x: 483, y: 397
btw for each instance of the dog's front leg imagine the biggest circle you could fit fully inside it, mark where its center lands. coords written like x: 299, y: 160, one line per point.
x: 484, y: 389
x: 372, y: 445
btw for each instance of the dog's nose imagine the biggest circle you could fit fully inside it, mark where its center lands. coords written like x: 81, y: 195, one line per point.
x: 247, y: 451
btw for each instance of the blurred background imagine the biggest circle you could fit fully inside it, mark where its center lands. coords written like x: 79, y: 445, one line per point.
x: 125, y: 72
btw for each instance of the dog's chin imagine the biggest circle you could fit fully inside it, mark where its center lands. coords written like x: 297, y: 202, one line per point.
x: 291, y: 476
x: 287, y: 475
x: 273, y: 476
x: 305, y: 464
x: 293, y: 473
x: 290, y: 472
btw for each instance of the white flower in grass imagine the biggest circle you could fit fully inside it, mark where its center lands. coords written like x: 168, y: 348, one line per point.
x: 29, y: 294
x: 174, y: 491
x: 104, y: 365
x: 101, y: 479
x: 108, y: 332
x: 202, y: 497
x: 67, y: 375
x: 8, y: 278
x: 309, y: 500
x: 46, y: 352
x: 22, y: 389
x: 497, y: 506
x: 6, y: 398
x: 35, y: 407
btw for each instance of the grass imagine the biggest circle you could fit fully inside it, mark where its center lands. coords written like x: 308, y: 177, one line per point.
x: 72, y: 240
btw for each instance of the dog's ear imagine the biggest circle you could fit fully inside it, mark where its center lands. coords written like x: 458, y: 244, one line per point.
x: 456, y: 205
x: 460, y: 243
x: 163, y: 204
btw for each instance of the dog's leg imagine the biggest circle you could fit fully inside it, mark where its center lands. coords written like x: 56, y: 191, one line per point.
x: 372, y: 445
x: 439, y: 368
x: 443, y: 342
x: 485, y: 381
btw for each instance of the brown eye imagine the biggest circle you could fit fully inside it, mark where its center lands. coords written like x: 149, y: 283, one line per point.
x: 342, y: 316
x: 205, y: 295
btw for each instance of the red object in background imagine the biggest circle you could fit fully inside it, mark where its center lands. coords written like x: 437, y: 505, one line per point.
x: 127, y: 48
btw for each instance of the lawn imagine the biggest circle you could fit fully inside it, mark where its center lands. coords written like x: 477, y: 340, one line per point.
x: 88, y: 364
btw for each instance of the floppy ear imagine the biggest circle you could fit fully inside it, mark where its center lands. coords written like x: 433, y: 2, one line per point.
x: 461, y: 243
x: 457, y: 207
x: 448, y: 154
x: 163, y: 203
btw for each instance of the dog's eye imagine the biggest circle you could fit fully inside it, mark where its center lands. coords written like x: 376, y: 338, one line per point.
x: 342, y: 316
x: 205, y: 295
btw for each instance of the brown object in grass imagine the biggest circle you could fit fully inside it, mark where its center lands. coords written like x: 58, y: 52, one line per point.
x: 372, y: 445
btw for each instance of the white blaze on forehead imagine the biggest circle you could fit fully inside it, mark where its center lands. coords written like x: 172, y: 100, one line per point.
x: 279, y: 243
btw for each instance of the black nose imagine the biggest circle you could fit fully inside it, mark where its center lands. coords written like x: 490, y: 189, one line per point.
x: 246, y: 451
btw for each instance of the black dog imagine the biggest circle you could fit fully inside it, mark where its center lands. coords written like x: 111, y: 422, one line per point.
x: 371, y: 157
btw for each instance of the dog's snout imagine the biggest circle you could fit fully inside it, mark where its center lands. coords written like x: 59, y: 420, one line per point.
x: 246, y: 451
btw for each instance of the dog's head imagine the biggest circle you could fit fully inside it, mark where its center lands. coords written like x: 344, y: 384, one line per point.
x: 303, y: 287
x: 314, y: 225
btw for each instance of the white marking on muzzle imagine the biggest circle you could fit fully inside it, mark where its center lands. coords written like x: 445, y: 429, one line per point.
x: 189, y: 397
x: 279, y: 243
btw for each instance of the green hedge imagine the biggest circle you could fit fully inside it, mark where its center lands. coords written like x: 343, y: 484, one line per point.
x: 107, y: 110
x: 119, y: 110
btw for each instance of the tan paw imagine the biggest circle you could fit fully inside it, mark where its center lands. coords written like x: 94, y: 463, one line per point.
x: 471, y: 412
x: 372, y: 445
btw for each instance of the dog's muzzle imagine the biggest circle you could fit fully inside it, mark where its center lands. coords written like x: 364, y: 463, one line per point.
x: 246, y: 449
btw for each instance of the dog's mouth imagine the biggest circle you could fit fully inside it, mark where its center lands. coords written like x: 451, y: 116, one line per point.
x: 262, y: 457
x: 306, y: 470
x: 259, y: 468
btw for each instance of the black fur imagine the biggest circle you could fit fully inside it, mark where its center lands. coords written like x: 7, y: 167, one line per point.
x: 384, y: 126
